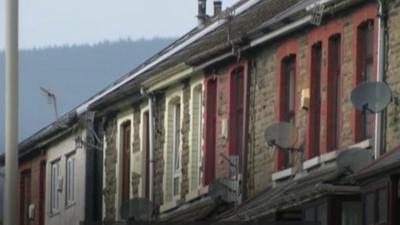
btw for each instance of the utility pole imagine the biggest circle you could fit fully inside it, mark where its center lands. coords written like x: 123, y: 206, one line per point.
x: 11, y: 100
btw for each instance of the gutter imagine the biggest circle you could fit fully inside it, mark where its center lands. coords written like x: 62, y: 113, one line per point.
x: 81, y: 109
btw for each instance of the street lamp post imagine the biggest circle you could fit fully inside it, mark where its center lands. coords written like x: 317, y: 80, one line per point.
x: 11, y: 117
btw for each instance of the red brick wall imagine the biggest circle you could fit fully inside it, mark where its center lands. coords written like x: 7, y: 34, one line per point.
x: 34, y: 166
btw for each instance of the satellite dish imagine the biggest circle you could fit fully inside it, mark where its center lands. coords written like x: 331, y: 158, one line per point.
x: 282, y: 135
x: 371, y: 96
x: 353, y: 159
x: 138, y: 209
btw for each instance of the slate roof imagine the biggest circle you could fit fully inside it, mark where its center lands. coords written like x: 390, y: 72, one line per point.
x: 388, y: 162
x: 293, y: 193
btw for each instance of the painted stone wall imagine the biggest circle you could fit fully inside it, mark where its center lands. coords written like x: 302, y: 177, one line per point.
x: 110, y: 161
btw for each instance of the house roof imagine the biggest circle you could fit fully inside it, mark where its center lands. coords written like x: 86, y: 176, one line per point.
x: 388, y: 162
x: 292, y: 193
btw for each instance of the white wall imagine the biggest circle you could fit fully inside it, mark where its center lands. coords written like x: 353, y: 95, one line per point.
x: 74, y: 213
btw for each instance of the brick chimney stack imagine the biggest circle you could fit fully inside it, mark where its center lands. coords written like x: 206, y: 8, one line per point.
x: 217, y: 7
x: 202, y: 14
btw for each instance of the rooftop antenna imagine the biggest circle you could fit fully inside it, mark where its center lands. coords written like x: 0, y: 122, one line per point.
x: 52, y: 99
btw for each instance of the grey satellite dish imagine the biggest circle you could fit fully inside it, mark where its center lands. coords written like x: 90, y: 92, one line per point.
x: 137, y: 209
x: 371, y: 96
x: 282, y: 135
x: 353, y: 159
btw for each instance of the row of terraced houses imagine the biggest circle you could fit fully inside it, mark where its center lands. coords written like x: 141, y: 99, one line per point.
x: 185, y: 130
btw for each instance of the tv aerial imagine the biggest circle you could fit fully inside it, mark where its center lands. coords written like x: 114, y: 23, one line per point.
x: 282, y: 135
x: 353, y: 159
x: 52, y: 99
x: 371, y: 96
x: 137, y: 209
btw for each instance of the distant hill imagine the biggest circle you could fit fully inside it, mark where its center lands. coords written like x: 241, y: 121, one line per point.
x: 74, y: 73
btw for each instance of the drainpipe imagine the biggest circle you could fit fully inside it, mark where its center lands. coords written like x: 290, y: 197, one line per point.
x: 151, y: 147
x: 144, y: 92
x: 380, y: 74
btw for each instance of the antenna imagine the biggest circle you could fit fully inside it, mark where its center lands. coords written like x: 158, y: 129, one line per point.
x: 353, y: 159
x: 282, y: 135
x: 371, y: 96
x: 137, y: 209
x: 52, y: 100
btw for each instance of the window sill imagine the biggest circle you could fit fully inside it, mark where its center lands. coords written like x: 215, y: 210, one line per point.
x: 53, y: 214
x: 169, y: 205
x: 280, y: 175
x: 70, y: 205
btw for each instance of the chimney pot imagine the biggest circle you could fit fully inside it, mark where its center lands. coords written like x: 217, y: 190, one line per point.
x: 202, y: 13
x: 217, y: 7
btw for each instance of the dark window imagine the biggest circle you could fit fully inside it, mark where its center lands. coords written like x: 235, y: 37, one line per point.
x: 317, y: 213
x: 333, y: 93
x: 126, y: 149
x: 351, y: 213
x: 315, y: 100
x: 365, y: 72
x: 210, y: 131
x: 25, y: 197
x: 146, y: 149
x: 288, y: 102
x: 376, y: 207
x: 236, y: 117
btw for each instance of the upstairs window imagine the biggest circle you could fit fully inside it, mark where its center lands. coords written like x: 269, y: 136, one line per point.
x: 196, y: 137
x: 70, y: 179
x: 126, y: 160
x: 288, y: 103
x: 365, y: 72
x: 333, y: 92
x: 210, y: 130
x: 176, y: 147
x: 314, y: 112
x: 237, y: 102
x: 55, y: 186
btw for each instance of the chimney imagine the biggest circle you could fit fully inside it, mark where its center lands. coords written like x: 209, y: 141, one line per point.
x: 217, y: 7
x: 202, y: 15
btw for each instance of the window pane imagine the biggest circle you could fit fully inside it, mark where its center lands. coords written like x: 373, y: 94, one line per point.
x: 369, y: 209
x: 309, y: 214
x: 351, y: 213
x: 322, y: 214
x: 382, y: 205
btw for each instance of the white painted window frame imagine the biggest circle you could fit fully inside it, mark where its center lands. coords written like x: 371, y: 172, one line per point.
x: 70, y: 178
x: 55, y: 194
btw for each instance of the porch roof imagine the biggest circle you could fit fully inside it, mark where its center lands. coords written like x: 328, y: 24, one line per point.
x: 295, y: 192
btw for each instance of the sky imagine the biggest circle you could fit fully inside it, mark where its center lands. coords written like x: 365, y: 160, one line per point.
x: 46, y: 23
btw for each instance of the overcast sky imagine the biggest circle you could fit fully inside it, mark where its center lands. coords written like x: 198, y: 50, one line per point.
x: 57, y: 22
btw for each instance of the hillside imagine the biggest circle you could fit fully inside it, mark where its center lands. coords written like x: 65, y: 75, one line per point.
x: 74, y: 73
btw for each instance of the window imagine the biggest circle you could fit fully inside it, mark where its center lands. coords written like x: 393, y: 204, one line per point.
x: 70, y: 179
x: 351, y: 213
x: 210, y: 130
x: 196, y: 133
x: 333, y: 92
x: 288, y: 102
x: 237, y: 110
x: 126, y: 160
x: 25, y: 199
x: 317, y: 213
x: 376, y: 207
x: 146, y: 150
x: 365, y: 72
x: 315, y: 101
x: 56, y: 186
x: 176, y: 147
